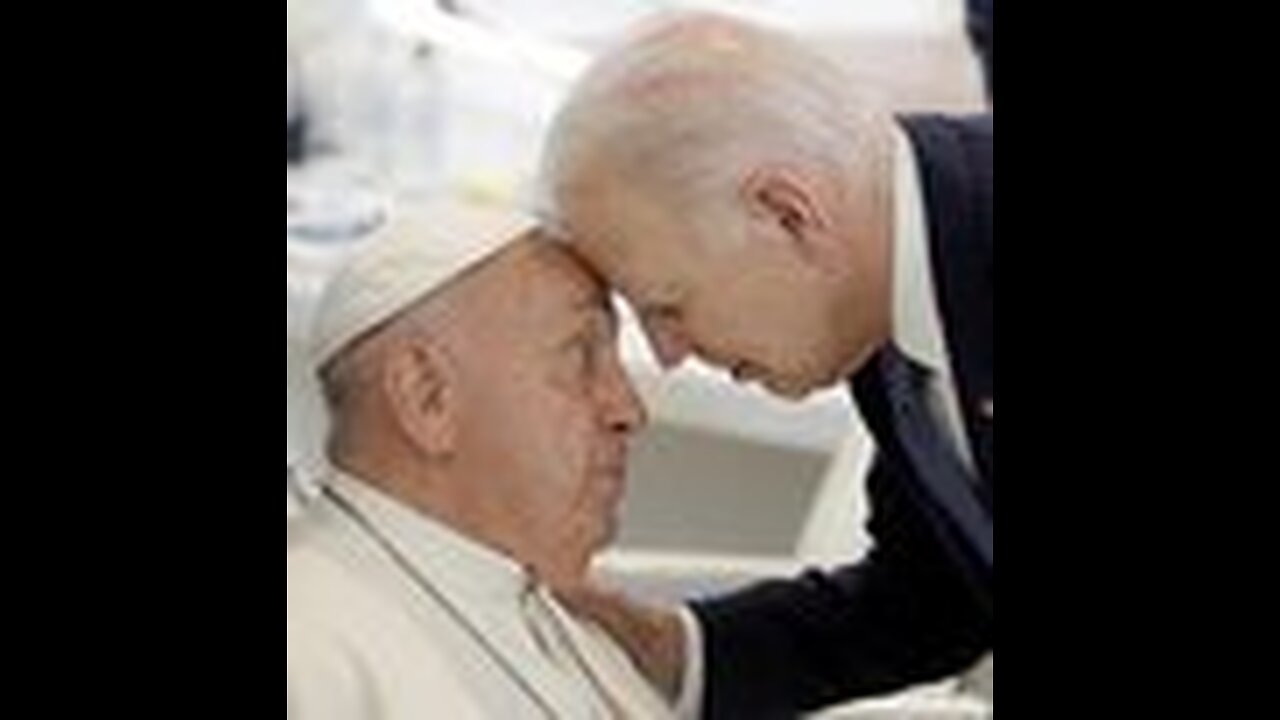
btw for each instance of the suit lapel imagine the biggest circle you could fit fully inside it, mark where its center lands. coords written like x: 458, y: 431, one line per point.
x: 959, y: 191
x: 939, y: 472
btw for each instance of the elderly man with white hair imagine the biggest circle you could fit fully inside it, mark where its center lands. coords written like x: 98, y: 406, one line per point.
x: 761, y: 211
x: 480, y: 420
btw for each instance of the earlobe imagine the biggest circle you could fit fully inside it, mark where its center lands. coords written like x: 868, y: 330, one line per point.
x: 420, y: 398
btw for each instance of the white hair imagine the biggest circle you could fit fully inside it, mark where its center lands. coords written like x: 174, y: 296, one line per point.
x: 690, y: 101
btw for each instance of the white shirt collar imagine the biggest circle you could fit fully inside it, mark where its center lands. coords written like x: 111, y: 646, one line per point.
x: 468, y: 568
x: 917, y: 329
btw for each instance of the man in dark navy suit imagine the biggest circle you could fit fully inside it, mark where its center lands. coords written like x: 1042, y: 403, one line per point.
x: 759, y: 212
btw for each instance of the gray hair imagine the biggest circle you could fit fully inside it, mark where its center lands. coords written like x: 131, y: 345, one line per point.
x: 354, y: 372
x: 689, y: 101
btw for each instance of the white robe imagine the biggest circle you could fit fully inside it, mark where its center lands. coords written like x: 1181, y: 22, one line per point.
x: 368, y: 640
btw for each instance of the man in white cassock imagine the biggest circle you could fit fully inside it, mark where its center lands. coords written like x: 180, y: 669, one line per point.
x: 479, y: 425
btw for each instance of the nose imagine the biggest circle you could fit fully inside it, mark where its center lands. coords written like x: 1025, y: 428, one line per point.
x: 670, y: 345
x: 623, y: 410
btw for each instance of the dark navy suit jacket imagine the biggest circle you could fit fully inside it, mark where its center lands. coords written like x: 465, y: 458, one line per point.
x: 920, y: 606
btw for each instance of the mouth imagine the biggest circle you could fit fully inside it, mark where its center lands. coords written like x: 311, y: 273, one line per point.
x: 613, y: 475
x: 612, y: 483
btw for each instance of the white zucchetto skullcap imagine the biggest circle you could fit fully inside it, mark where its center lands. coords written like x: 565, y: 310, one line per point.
x: 416, y: 251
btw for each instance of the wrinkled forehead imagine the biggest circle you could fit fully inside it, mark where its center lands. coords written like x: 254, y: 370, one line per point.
x: 638, y: 246
x: 560, y: 272
x: 537, y: 283
x: 604, y: 221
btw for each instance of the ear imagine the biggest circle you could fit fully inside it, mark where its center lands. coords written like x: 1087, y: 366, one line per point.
x: 420, y: 397
x: 790, y: 199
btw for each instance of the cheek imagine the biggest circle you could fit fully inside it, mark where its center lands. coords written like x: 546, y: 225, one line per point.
x: 559, y: 454
x: 516, y: 432
x: 574, y: 504
x: 750, y: 321
x: 575, y: 443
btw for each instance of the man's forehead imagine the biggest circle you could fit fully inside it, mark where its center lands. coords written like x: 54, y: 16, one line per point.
x: 556, y: 277
x: 601, y: 238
